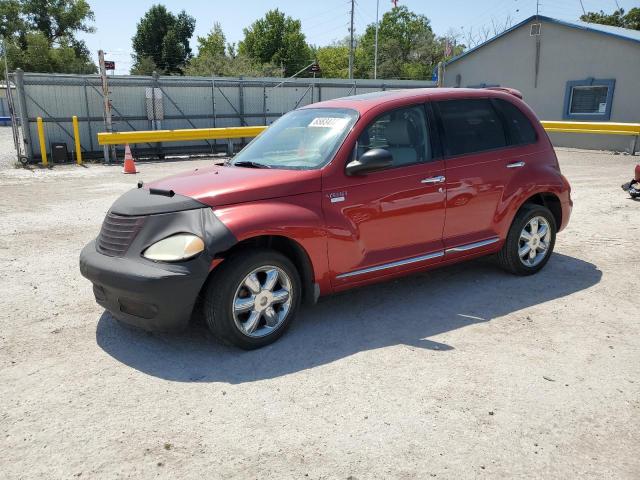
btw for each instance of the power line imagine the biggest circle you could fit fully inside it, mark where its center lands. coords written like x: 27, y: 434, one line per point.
x: 322, y: 24
x: 364, y: 14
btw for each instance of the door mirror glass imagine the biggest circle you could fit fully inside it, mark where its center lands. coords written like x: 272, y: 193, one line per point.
x: 370, y: 161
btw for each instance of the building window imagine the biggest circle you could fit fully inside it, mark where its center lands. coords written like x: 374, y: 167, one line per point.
x: 589, y: 99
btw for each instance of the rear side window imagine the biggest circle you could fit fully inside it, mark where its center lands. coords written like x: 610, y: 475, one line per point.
x: 471, y: 125
x: 519, y: 128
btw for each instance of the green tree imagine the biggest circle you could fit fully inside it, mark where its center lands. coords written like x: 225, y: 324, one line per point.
x: 164, y: 38
x: 226, y: 66
x: 617, y: 19
x: 144, y: 66
x: 632, y: 19
x: 12, y: 21
x: 40, y: 35
x: 407, y: 46
x: 276, y: 39
x: 59, y: 19
x: 333, y: 61
x: 215, y: 43
x: 211, y: 58
x: 216, y: 57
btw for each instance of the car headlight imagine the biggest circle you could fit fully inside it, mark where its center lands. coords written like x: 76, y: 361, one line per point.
x: 175, y: 248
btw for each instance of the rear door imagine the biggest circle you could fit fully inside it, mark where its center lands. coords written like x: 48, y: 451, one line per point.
x: 474, y: 141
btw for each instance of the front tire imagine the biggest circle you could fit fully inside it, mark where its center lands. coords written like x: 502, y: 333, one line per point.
x: 530, y: 241
x: 252, y: 298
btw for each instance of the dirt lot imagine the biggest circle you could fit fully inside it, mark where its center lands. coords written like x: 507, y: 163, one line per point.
x: 465, y: 372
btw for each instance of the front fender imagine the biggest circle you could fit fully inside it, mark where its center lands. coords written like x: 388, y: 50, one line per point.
x: 298, y: 218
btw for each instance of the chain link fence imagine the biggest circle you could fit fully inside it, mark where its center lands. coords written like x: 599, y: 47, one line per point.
x: 161, y: 103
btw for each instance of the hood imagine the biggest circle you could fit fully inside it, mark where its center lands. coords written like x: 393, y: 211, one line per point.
x: 226, y: 185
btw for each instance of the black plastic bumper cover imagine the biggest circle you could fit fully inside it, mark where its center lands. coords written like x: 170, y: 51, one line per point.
x: 140, y: 294
x: 156, y: 296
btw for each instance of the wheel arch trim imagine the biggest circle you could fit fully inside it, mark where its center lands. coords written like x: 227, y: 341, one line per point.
x: 549, y: 196
x: 290, y: 248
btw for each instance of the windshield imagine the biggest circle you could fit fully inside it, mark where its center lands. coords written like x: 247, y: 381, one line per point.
x: 301, y: 139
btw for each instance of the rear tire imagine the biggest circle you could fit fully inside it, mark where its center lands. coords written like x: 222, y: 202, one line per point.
x: 252, y: 298
x: 530, y: 241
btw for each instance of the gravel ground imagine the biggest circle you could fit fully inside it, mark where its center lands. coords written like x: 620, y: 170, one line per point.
x: 8, y: 157
x: 463, y: 372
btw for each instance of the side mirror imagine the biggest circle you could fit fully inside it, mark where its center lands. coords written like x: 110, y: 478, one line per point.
x: 371, y: 161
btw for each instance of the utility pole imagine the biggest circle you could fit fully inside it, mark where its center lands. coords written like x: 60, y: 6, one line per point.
x: 107, y: 104
x: 6, y: 63
x: 375, y: 54
x: 14, y: 125
x: 24, y: 116
x: 353, y: 5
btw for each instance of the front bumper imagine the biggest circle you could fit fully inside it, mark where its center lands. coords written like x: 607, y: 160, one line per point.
x: 156, y: 297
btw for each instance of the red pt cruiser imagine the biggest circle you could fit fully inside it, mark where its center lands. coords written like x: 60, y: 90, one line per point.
x: 332, y: 196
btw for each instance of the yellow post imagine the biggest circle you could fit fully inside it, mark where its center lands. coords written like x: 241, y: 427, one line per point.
x: 76, y: 135
x: 43, y: 143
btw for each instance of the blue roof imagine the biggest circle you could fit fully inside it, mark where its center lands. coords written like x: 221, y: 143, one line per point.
x: 619, y: 32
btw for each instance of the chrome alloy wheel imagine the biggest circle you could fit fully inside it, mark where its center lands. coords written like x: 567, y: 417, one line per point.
x: 534, y: 241
x: 262, y: 301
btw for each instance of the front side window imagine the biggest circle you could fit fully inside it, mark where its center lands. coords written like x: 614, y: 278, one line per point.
x: 303, y: 139
x: 403, y: 132
x: 589, y: 99
x: 470, y: 126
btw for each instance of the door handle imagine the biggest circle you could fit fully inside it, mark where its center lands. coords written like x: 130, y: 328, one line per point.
x: 438, y: 179
x: 516, y: 165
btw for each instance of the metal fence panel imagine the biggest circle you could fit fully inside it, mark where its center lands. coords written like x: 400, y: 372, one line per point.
x: 185, y: 102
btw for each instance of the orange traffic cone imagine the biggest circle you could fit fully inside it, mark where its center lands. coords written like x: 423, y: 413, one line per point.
x: 129, y: 162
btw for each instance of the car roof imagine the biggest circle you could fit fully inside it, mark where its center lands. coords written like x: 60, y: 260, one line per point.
x: 366, y: 101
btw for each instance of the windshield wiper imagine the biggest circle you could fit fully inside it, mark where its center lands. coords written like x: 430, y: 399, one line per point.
x: 250, y: 164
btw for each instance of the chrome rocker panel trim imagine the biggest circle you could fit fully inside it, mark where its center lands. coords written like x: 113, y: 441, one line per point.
x: 399, y: 263
x: 421, y: 258
x: 471, y: 246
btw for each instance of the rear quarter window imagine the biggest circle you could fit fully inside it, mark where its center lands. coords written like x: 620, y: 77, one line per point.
x: 519, y: 128
x: 471, y: 125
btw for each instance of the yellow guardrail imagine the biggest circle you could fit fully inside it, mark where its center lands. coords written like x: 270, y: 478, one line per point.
x: 153, y: 136
x: 603, y: 128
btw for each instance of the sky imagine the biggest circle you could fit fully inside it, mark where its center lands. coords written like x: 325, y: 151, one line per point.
x: 322, y: 21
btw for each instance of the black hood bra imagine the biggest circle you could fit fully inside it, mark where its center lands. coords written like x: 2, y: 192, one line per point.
x: 141, y: 201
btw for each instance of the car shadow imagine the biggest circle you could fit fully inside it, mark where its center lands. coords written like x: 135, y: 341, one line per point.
x: 407, y: 311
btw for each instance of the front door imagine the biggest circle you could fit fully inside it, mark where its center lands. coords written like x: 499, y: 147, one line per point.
x: 391, y: 220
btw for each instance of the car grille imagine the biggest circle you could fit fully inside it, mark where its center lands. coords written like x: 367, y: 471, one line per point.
x: 117, y: 233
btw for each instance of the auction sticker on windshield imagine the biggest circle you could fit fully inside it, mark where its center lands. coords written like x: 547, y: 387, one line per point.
x: 329, y: 122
